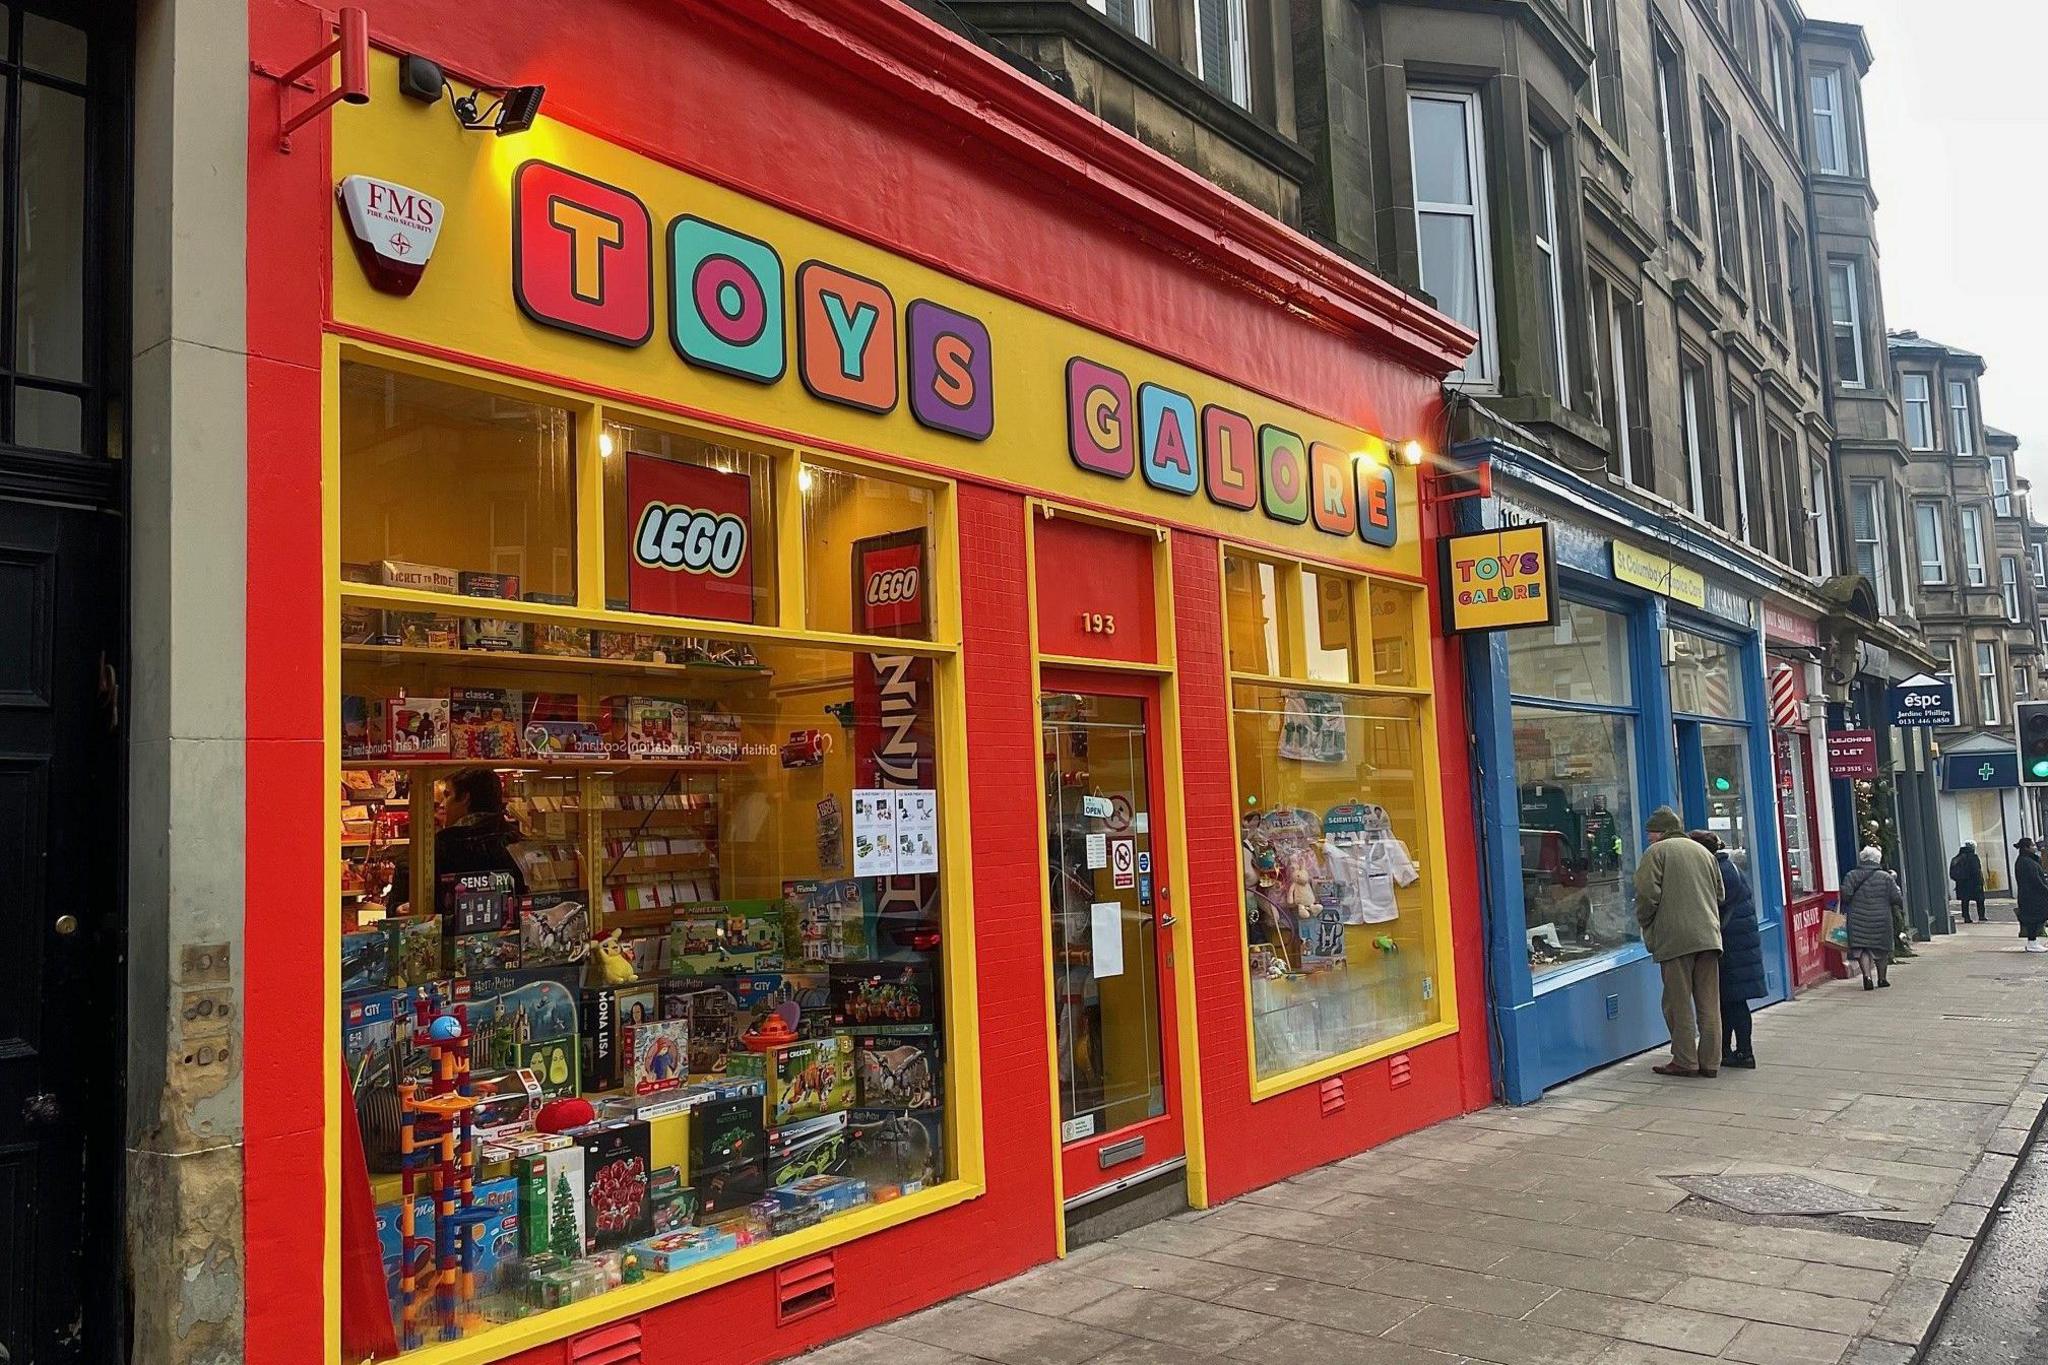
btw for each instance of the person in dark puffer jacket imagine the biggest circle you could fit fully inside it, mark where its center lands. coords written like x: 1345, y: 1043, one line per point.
x: 1742, y: 954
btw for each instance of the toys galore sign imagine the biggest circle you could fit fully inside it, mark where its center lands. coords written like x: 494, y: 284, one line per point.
x: 1498, y: 580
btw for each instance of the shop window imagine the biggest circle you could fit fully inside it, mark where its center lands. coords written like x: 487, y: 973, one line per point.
x: 1338, y: 893
x: 1704, y: 680
x: 1795, y: 783
x: 1251, y: 609
x: 1341, y: 902
x: 684, y: 889
x: 714, y: 477
x: 880, y: 522
x: 443, y: 486
x: 1575, y: 778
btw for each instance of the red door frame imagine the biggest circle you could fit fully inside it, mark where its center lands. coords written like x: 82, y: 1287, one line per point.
x: 1166, y: 1135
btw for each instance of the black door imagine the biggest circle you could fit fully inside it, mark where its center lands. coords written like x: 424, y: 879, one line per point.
x: 60, y: 840
x: 63, y: 307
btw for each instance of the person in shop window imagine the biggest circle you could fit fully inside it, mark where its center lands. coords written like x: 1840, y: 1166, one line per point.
x: 2030, y: 883
x: 476, y: 835
x: 1966, y: 870
x: 1678, y: 905
x: 1870, y: 900
x: 1742, y: 954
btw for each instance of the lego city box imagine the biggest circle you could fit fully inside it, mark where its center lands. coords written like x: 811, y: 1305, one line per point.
x: 805, y: 1079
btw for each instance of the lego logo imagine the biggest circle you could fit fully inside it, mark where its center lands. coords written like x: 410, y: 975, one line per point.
x: 892, y: 585
x: 689, y: 541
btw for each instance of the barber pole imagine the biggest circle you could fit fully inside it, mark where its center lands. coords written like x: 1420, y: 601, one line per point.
x: 1785, y: 709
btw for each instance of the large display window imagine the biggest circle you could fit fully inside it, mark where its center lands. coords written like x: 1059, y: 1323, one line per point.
x: 1335, y: 769
x: 1574, y: 722
x: 651, y: 914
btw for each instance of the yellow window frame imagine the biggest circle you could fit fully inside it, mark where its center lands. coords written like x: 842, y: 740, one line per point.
x: 965, y: 1151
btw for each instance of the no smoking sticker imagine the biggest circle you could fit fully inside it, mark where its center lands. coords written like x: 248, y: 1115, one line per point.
x: 1123, y: 864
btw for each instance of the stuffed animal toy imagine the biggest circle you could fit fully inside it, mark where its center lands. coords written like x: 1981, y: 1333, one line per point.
x: 614, y: 968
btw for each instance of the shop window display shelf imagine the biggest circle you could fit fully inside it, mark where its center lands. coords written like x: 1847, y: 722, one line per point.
x: 498, y: 660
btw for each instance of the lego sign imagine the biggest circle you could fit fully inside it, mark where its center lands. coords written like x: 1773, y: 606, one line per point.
x: 691, y: 549
x: 1115, y: 430
x: 1498, y: 580
x: 889, y: 578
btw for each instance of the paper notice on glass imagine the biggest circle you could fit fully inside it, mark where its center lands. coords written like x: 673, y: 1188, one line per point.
x: 917, y: 832
x: 1098, y: 850
x: 1108, y: 938
x: 874, y: 832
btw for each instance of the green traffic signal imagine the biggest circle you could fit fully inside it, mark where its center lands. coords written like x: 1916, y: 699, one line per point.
x: 2039, y: 768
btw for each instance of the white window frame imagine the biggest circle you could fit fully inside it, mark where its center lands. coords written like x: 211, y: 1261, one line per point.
x: 1962, y: 434
x: 1928, y: 539
x: 1618, y: 357
x: 1689, y: 377
x: 2022, y: 683
x: 1141, y: 16
x: 1830, y: 121
x: 1666, y: 74
x: 1990, y: 707
x: 1871, y: 492
x: 1947, y: 668
x: 1543, y: 167
x: 1852, y: 325
x: 2037, y: 555
x: 1738, y: 437
x: 1237, y: 84
x: 1976, y: 572
x: 1823, y: 528
x: 1781, y: 77
x: 2009, y: 586
x: 1918, y: 392
x: 2001, y: 485
x: 1482, y: 368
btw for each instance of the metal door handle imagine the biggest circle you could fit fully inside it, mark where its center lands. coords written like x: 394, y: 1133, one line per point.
x: 41, y: 1110
x: 1166, y: 921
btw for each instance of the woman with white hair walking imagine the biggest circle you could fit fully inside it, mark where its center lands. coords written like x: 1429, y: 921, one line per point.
x: 1869, y: 896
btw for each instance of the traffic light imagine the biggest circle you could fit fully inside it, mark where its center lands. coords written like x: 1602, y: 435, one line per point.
x: 2032, y: 720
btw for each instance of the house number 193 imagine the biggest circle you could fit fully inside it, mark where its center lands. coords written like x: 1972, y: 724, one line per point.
x: 1098, y: 623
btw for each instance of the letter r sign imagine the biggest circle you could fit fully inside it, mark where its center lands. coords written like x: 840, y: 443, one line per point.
x: 582, y: 255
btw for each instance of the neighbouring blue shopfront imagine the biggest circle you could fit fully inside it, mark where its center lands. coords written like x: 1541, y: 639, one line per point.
x: 1647, y: 690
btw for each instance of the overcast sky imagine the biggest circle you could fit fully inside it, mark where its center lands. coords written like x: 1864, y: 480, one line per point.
x: 1957, y: 108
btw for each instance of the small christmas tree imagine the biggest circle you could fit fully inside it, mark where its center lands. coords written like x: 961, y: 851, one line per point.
x: 563, y: 1238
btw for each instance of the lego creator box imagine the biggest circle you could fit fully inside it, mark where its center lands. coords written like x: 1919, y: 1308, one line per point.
x: 812, y: 1147
x: 478, y: 902
x: 616, y: 1172
x: 805, y: 1079
x: 483, y: 722
x: 727, y: 936
x: 896, y: 1147
x: 418, y: 727
x: 656, y: 1054
x: 553, y: 927
x: 646, y: 727
x: 895, y: 1071
x: 551, y: 1203
x: 413, y: 945
x: 365, y: 961
x: 833, y: 920
x: 482, y: 954
x: 879, y: 996
x: 726, y: 1133
x: 725, y: 1188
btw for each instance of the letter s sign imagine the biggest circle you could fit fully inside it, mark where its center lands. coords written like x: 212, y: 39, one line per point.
x: 692, y: 550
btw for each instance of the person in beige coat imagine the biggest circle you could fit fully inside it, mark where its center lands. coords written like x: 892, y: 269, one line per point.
x: 1678, y: 904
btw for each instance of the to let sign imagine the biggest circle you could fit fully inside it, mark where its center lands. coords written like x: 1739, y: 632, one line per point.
x: 1924, y: 700
x: 1852, y: 753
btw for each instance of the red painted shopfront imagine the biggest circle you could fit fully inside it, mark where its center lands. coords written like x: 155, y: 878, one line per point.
x: 1173, y: 583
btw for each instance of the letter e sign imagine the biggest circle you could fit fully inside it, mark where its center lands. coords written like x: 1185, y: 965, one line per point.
x: 692, y: 547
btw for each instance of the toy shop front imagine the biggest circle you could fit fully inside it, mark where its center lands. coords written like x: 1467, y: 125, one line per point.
x: 863, y: 707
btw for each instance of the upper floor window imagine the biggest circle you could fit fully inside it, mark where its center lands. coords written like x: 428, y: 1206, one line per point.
x: 1918, y: 391
x: 1823, y: 530
x: 1830, y: 121
x: 1927, y: 536
x: 2009, y: 587
x: 1742, y: 29
x: 1135, y: 15
x: 1760, y: 219
x: 1973, y: 547
x: 1550, y: 266
x: 1845, y: 323
x: 2001, y: 485
x: 1990, y: 705
x: 1681, y: 196
x: 1751, y: 501
x: 1781, y: 79
x: 1695, y: 415
x: 1867, y: 529
x: 1789, y: 530
x: 1448, y: 154
x: 1962, y: 437
x: 1721, y: 193
x: 1223, y: 48
x: 2036, y: 554
x: 1618, y: 348
x: 1799, y: 280
x: 1607, y: 92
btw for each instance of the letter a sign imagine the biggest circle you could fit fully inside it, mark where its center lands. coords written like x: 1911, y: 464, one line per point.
x: 692, y: 546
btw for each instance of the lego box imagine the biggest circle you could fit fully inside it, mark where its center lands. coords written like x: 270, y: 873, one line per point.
x: 551, y: 1202
x: 896, y: 1072
x: 805, y: 1079
x: 812, y: 1147
x: 882, y: 997
x: 483, y: 722
x: 553, y: 928
x: 418, y: 727
x: 656, y: 1054
x: 726, y: 1133
x: 616, y: 1172
x: 365, y: 961
x: 896, y: 1147
x: 646, y: 727
x: 479, y: 954
x: 413, y: 948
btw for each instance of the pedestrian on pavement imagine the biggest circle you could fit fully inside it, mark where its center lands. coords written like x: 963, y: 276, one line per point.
x: 2031, y: 883
x: 1678, y: 905
x: 1966, y: 870
x: 1742, y: 953
x: 1869, y: 896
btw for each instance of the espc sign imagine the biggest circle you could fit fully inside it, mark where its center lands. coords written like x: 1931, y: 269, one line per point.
x: 692, y: 547
x: 1498, y: 580
x: 392, y: 228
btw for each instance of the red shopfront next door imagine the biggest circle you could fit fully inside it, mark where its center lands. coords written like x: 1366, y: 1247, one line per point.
x: 1112, y: 957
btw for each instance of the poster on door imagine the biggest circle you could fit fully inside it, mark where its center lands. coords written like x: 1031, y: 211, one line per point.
x: 917, y: 833
x: 874, y: 832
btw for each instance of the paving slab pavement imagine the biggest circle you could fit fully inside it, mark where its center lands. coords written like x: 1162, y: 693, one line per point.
x: 1555, y: 1235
